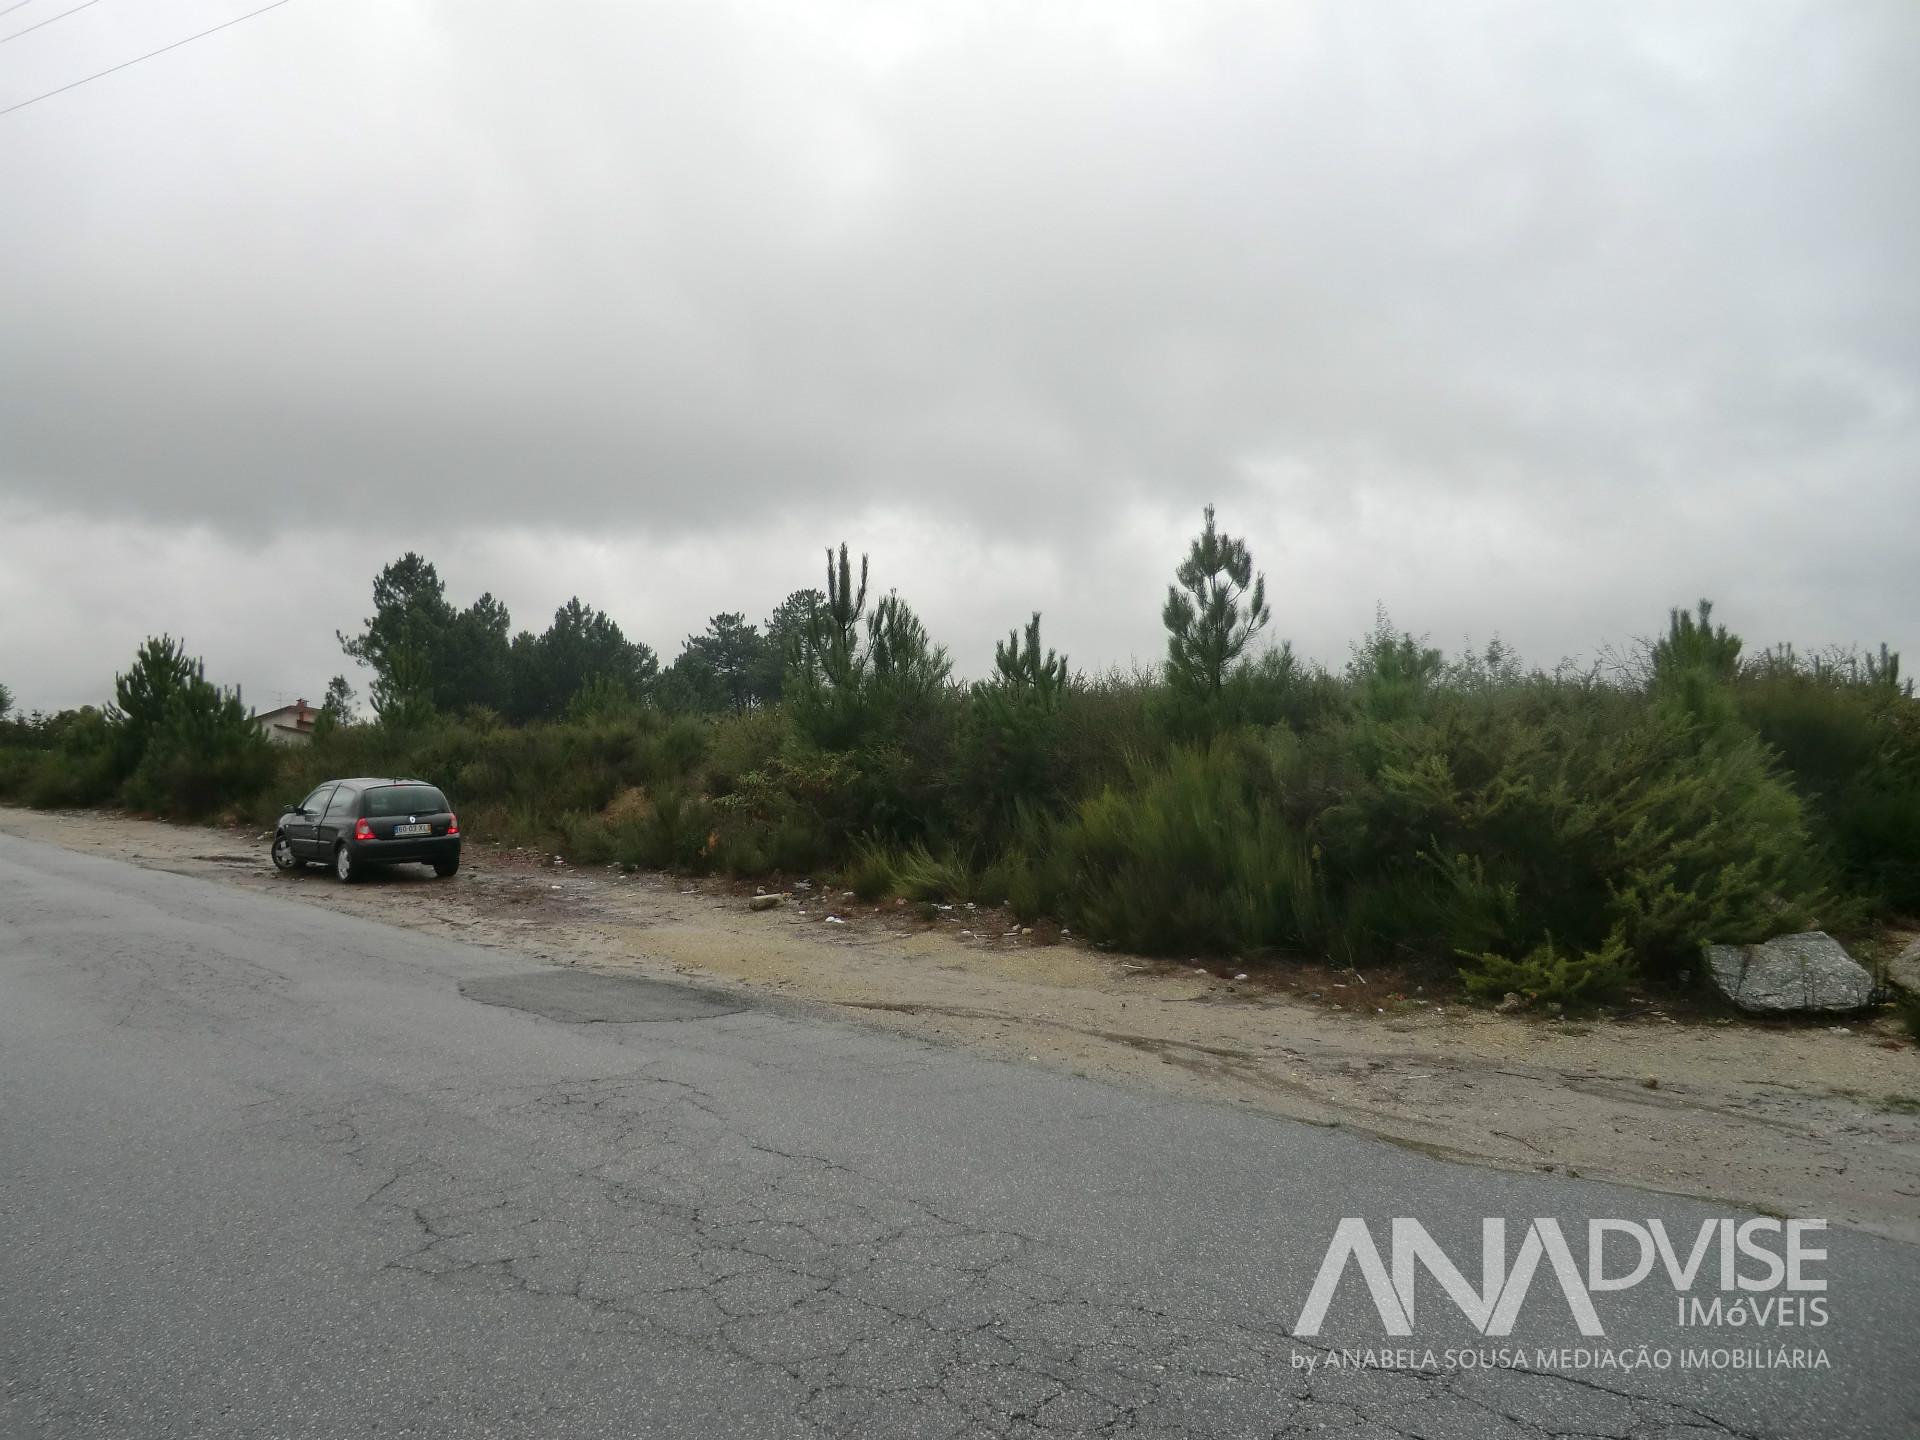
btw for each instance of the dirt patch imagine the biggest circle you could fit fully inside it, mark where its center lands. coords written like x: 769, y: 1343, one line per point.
x: 1795, y: 1118
x: 582, y: 997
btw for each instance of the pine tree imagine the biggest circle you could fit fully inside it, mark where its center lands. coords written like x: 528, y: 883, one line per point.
x: 723, y: 668
x: 338, y: 701
x: 1691, y: 644
x: 833, y: 635
x: 160, y: 670
x: 1218, y: 606
x: 785, y: 633
x: 336, y: 709
x: 409, y: 609
x: 402, y: 694
x: 465, y: 652
x: 1013, y: 734
x: 901, y: 658
x: 1020, y: 669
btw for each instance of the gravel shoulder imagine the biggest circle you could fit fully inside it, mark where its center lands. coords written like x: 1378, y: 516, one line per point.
x: 1796, y: 1119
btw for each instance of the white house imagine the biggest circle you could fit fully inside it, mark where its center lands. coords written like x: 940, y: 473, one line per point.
x: 289, y: 725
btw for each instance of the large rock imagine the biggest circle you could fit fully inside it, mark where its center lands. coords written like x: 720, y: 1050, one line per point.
x: 1790, y: 972
x: 1904, y: 969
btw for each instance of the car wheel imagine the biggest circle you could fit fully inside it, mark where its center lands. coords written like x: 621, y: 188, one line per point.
x: 283, y: 856
x: 343, y: 865
x: 447, y: 868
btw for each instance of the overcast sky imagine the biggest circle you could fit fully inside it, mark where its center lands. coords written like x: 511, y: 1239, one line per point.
x: 1529, y: 319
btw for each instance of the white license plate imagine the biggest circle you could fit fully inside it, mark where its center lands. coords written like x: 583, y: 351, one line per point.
x: 413, y: 830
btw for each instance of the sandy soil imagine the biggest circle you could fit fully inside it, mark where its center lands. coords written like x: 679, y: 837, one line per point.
x: 1803, y: 1119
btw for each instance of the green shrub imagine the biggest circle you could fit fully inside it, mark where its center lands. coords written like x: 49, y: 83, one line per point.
x: 668, y: 750
x: 1708, y: 841
x: 1547, y: 976
x: 1489, y: 821
x: 16, y: 765
x: 1852, y: 749
x: 737, y: 745
x: 589, y: 839
x: 1033, y: 880
x: 677, y: 831
x: 913, y: 871
x: 68, y: 779
x: 1011, y: 751
x: 919, y: 874
x: 1436, y: 906
x: 869, y: 872
x: 1190, y: 859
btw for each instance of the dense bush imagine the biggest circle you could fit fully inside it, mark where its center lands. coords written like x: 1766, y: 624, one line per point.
x: 1850, y: 742
x: 203, y: 754
x: 1548, y: 976
x: 1192, y: 854
x: 1552, y: 835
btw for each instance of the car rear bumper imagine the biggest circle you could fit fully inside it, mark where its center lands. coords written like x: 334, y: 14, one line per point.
x: 425, y: 849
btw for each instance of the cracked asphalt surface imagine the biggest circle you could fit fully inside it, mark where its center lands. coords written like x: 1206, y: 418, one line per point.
x: 269, y: 1170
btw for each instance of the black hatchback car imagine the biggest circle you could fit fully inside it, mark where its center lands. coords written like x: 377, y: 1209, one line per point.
x: 351, y: 824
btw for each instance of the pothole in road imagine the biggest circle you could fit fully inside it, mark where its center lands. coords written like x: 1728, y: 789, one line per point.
x: 582, y: 998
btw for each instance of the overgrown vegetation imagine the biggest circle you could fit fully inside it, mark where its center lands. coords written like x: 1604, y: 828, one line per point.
x: 1553, y: 835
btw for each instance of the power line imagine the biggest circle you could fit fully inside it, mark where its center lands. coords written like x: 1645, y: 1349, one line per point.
x: 48, y: 21
x: 112, y: 69
x: 17, y: 5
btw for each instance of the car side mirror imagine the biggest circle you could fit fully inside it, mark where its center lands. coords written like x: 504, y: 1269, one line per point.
x: 292, y: 807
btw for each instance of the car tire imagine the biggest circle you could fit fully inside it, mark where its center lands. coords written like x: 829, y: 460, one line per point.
x: 284, y: 860
x: 344, y: 868
x: 447, y: 869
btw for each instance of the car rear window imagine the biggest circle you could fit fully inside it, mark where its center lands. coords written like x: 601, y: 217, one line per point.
x: 405, y: 800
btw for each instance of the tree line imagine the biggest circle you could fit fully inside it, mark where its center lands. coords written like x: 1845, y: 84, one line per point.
x: 427, y: 656
x: 1555, y: 833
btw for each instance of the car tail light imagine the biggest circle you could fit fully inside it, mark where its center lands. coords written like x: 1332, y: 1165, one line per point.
x: 362, y: 830
x: 453, y: 823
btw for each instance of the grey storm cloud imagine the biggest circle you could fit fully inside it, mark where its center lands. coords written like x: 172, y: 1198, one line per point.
x: 1513, y: 315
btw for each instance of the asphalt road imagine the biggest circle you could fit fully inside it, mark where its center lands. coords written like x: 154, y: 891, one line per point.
x: 269, y: 1170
